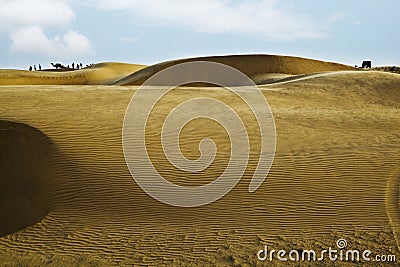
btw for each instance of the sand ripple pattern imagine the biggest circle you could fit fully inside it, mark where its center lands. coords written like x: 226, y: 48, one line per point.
x: 136, y: 119
x: 335, y: 175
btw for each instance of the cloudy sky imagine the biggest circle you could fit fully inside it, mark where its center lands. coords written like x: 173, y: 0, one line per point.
x: 150, y: 31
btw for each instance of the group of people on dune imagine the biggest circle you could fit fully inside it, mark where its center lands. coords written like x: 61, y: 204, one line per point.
x: 34, y: 68
x: 74, y: 66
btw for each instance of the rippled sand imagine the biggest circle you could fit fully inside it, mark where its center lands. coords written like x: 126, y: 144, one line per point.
x: 335, y: 175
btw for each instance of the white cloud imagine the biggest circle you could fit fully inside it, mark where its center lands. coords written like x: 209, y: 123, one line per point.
x: 20, y: 13
x: 262, y: 19
x: 32, y: 39
x: 25, y: 21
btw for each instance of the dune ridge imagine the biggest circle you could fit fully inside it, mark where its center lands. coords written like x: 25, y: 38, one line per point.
x: 392, y: 204
x: 257, y: 67
x: 98, y: 74
x: 260, y: 68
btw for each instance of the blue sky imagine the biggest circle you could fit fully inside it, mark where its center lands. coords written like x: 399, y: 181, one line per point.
x: 148, y: 32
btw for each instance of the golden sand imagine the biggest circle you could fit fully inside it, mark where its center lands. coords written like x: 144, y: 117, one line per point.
x: 335, y: 175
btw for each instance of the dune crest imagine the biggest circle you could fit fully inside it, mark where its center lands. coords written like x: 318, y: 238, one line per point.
x: 257, y: 67
x: 98, y: 74
x: 392, y: 204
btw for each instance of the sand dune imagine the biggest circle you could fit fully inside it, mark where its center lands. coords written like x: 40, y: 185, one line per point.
x: 335, y: 174
x: 257, y: 67
x: 261, y: 68
x: 103, y: 73
x: 392, y: 69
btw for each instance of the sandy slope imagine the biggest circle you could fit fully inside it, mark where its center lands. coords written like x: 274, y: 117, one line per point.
x: 103, y: 73
x: 335, y: 175
x: 254, y: 66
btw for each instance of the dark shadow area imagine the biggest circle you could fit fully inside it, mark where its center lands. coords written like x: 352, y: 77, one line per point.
x: 24, y: 153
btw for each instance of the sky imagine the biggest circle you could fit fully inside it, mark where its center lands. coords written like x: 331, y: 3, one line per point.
x: 152, y: 31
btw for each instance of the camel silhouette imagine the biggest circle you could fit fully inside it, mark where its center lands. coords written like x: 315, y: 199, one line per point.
x: 57, y: 65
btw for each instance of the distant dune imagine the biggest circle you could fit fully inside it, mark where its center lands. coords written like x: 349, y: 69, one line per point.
x: 261, y: 69
x: 335, y: 175
x: 98, y: 74
x: 258, y: 67
x: 392, y: 69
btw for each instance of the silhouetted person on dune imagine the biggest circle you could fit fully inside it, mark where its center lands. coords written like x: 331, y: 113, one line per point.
x: 40, y: 67
x: 34, y: 67
x: 30, y: 68
x: 73, y: 65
